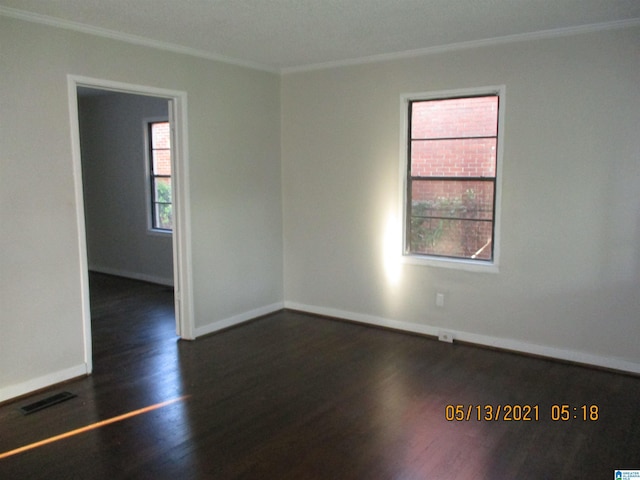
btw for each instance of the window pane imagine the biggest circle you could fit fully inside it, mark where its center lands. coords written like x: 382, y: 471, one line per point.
x: 452, y: 199
x: 162, y: 190
x: 452, y: 238
x: 457, y: 117
x: 160, y: 135
x: 163, y: 216
x: 452, y: 218
x: 161, y: 162
x: 469, y: 157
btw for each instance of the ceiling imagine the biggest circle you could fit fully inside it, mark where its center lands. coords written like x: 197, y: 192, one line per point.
x: 286, y: 35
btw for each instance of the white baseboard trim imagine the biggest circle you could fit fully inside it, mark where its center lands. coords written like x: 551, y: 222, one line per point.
x: 574, y: 356
x: 134, y: 275
x: 14, y: 391
x: 238, y: 319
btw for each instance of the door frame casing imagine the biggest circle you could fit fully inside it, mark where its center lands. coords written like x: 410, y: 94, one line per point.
x: 182, y: 271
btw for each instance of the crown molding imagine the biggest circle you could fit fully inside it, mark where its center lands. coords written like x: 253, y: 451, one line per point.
x: 541, y: 35
x: 170, y: 47
x: 125, y: 37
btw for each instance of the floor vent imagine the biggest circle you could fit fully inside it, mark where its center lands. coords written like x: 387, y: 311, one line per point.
x: 46, y: 402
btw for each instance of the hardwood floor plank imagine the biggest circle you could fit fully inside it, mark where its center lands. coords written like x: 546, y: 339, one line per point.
x: 295, y: 396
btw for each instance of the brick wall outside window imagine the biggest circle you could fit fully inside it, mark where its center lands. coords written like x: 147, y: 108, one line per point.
x: 161, y: 140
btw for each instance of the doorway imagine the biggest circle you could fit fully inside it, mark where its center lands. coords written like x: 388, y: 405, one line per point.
x: 168, y: 250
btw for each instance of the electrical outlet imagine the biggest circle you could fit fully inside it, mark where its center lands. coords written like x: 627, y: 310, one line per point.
x: 439, y: 299
x: 445, y: 337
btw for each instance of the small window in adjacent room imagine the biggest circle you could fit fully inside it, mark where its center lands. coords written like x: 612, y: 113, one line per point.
x: 159, y: 139
x: 451, y: 185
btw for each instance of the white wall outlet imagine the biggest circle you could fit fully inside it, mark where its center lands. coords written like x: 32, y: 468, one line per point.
x: 439, y: 299
x: 445, y: 337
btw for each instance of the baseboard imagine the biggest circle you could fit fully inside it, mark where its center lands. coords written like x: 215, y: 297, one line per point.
x: 583, y: 358
x: 33, y: 385
x: 133, y: 275
x: 238, y: 319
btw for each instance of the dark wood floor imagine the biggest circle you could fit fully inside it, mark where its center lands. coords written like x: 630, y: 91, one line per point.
x: 294, y: 396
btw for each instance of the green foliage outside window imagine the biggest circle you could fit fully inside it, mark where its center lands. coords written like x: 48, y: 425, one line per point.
x: 164, y: 210
x: 431, y: 220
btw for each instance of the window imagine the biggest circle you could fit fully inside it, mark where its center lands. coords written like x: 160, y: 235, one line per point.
x: 451, y: 182
x: 159, y: 136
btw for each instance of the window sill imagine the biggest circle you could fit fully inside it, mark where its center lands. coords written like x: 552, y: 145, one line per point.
x: 159, y: 233
x: 452, y: 263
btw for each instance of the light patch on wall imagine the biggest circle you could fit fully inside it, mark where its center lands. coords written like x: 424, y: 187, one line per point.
x: 391, y: 254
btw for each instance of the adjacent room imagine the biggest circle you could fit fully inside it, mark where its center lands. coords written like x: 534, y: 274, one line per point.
x: 304, y: 239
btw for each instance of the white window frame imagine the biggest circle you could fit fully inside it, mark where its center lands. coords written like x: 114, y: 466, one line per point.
x: 147, y: 165
x: 448, y: 262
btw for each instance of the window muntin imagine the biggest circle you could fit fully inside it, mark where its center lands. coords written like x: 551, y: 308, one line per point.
x: 451, y: 187
x: 160, y: 176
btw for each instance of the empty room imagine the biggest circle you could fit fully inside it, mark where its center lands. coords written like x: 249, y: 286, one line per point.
x: 320, y: 240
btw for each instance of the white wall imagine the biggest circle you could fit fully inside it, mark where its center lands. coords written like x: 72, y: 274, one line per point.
x: 235, y: 191
x: 569, y: 280
x: 115, y: 184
